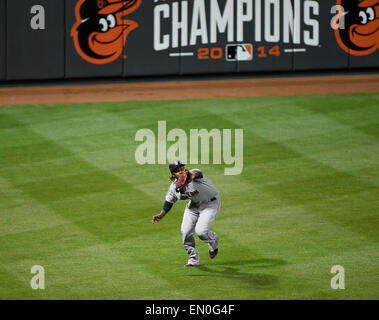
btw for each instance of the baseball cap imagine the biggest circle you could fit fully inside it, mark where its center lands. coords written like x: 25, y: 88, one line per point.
x: 175, y: 165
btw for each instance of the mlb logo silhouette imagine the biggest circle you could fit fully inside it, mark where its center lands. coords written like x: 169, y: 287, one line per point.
x: 239, y: 52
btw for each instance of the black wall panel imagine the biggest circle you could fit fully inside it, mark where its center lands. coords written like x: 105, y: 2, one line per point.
x: 2, y: 40
x: 368, y: 61
x: 324, y: 51
x: 35, y: 39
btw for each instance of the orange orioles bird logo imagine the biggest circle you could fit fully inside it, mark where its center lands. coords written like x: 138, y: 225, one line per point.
x: 100, y: 31
x: 360, y: 35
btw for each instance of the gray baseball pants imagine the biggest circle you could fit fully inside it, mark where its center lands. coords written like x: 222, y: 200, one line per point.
x: 199, y: 220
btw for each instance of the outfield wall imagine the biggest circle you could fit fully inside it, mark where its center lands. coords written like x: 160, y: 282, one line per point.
x: 65, y: 39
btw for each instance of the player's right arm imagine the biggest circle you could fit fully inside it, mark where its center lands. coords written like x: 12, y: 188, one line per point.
x: 171, y: 198
x: 166, y: 208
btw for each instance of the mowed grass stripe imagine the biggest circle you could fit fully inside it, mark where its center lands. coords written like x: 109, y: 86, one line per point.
x: 336, y: 140
x: 11, y: 288
x: 369, y: 174
x: 348, y: 159
x: 363, y: 104
x: 371, y: 129
x: 27, y: 172
x: 22, y: 213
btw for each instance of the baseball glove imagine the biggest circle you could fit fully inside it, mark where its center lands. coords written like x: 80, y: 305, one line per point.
x: 183, y: 180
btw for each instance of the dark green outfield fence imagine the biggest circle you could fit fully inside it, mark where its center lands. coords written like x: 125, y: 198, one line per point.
x: 65, y: 39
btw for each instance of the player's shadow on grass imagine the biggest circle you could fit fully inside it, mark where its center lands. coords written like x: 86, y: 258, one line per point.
x: 229, y: 269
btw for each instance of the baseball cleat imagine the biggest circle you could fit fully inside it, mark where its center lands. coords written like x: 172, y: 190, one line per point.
x: 213, y: 254
x: 192, y: 264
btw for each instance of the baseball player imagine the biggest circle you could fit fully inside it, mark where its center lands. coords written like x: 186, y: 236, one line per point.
x: 200, y: 211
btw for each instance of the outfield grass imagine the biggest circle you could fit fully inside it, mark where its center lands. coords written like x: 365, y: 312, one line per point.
x: 73, y: 200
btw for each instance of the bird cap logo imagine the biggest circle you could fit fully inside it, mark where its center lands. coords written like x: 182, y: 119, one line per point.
x: 100, y: 30
x: 360, y: 35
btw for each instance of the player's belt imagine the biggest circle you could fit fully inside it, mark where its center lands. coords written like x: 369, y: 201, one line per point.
x: 213, y: 199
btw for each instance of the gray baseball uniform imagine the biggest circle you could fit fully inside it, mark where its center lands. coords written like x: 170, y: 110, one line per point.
x: 199, y: 215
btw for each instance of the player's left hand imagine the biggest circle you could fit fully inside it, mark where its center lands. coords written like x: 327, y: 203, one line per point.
x: 184, y: 179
